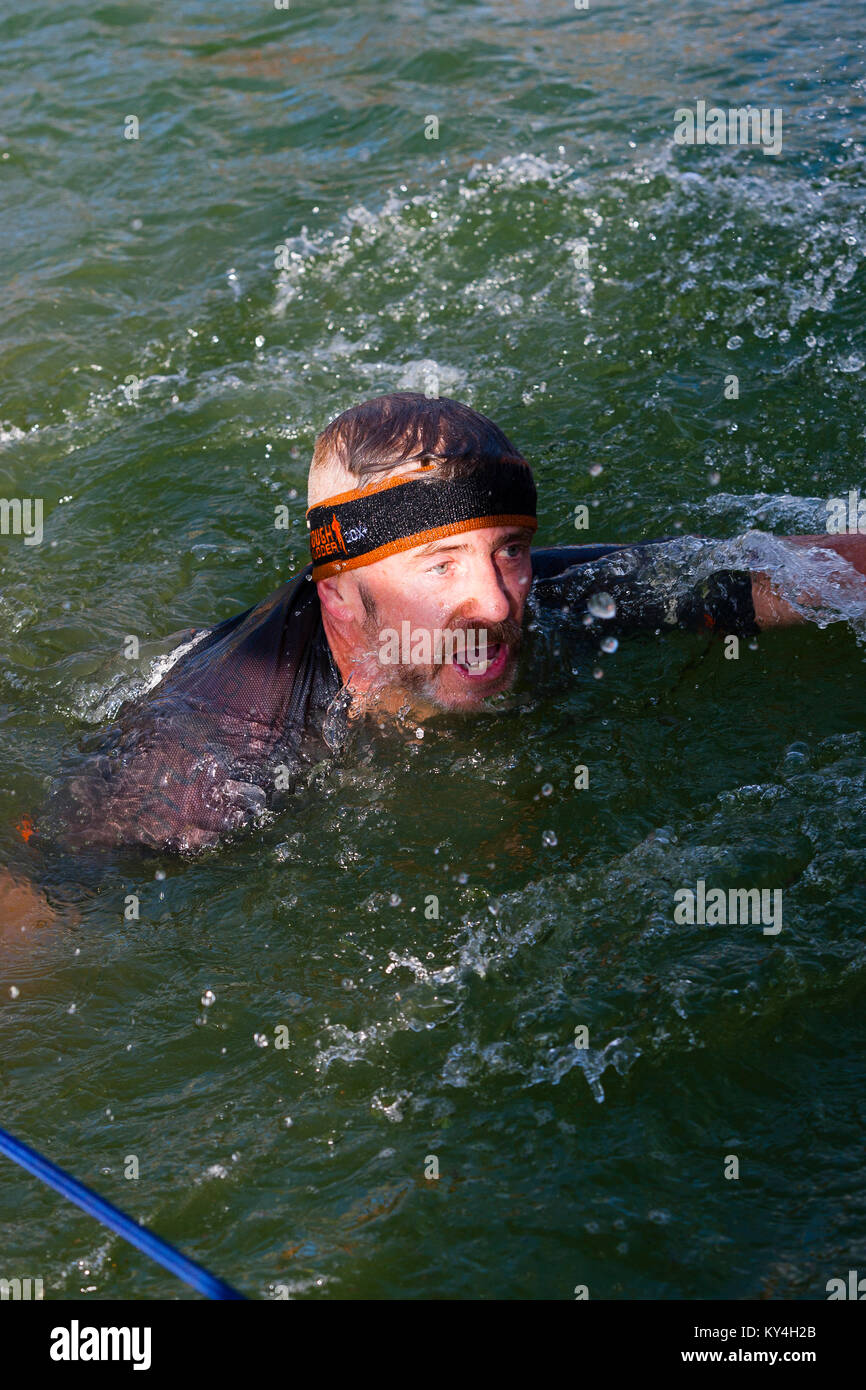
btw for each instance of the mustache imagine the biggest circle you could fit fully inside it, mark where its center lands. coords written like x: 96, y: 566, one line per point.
x: 508, y: 632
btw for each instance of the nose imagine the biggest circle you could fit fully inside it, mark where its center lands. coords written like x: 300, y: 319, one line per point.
x: 488, y: 600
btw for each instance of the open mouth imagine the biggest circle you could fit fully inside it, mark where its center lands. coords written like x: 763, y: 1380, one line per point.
x: 488, y: 667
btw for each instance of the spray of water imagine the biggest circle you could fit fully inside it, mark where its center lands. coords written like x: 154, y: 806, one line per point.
x: 818, y: 583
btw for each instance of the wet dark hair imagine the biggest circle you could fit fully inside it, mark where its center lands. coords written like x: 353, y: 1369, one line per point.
x: 377, y: 435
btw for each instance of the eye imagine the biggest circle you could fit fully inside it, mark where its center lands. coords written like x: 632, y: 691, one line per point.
x: 441, y: 568
x: 515, y: 550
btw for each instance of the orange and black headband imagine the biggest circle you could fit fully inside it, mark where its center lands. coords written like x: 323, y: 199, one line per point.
x: 361, y: 527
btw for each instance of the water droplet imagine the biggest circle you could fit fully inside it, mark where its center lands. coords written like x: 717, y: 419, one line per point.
x: 260, y: 342
x: 260, y: 1040
x: 715, y: 478
x: 160, y: 875
x: 609, y: 644
x: 419, y: 732
x: 462, y: 878
x: 14, y: 991
x: 735, y: 342
x: 288, y: 1121
x: 208, y: 998
x: 549, y: 838
x: 601, y: 606
x: 395, y: 900
x: 547, y: 789
x: 71, y: 1009
x: 597, y: 674
x: 595, y: 469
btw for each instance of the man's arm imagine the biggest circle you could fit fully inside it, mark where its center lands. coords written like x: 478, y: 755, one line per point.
x: 771, y: 610
x: 652, y: 584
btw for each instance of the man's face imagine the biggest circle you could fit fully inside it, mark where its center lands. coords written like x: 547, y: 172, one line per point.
x: 472, y: 586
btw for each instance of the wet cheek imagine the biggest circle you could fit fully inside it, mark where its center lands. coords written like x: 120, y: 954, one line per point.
x: 398, y: 603
x: 419, y: 613
x: 426, y: 612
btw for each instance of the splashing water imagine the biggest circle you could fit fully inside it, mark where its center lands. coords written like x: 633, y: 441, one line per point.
x: 818, y: 583
x: 601, y: 606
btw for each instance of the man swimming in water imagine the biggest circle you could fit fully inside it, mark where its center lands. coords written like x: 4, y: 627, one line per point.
x: 420, y: 511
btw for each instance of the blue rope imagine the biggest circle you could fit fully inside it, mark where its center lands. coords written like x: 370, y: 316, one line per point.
x: 115, y: 1219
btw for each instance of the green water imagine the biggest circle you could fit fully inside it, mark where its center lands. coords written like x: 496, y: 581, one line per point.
x: 452, y: 263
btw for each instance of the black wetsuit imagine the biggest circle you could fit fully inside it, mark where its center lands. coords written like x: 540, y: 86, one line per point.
x: 244, y: 710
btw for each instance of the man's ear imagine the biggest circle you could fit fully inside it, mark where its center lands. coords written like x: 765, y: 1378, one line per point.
x: 340, y: 599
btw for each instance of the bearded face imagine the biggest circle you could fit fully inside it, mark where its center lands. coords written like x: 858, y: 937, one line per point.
x: 440, y: 654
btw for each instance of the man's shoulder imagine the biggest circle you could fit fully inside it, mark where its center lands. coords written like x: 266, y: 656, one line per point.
x: 194, y: 757
x: 281, y: 624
